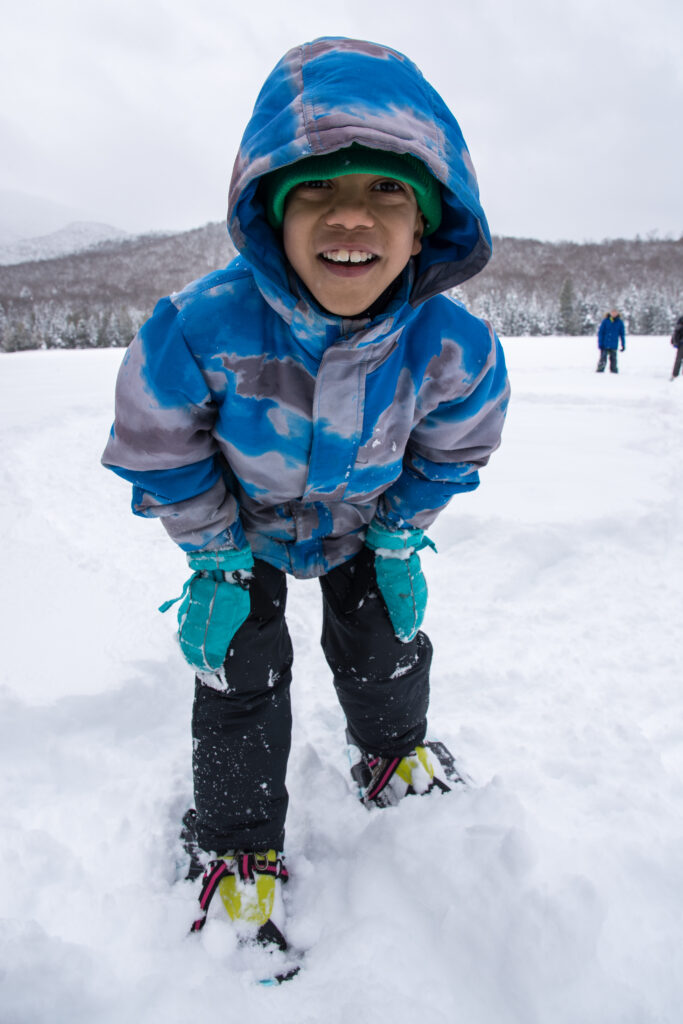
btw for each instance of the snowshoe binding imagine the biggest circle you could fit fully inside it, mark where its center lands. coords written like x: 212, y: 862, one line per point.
x: 250, y: 888
x: 197, y: 859
x: 384, y: 781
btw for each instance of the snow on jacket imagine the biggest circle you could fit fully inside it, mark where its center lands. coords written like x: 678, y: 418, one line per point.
x: 245, y: 410
x: 611, y: 332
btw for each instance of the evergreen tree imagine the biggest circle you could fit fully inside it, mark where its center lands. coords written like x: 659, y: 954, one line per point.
x: 568, y: 318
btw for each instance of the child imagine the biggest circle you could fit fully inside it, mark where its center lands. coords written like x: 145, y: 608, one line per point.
x: 310, y: 410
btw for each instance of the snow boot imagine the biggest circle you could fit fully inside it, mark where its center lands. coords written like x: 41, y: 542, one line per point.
x: 384, y: 781
x: 250, y: 887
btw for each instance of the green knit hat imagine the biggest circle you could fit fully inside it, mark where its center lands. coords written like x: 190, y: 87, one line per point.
x: 355, y: 160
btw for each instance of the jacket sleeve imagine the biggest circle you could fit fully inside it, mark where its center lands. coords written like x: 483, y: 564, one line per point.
x: 449, y: 445
x: 162, y: 441
x: 601, y: 333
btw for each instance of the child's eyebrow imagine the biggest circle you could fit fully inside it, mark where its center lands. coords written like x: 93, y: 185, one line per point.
x: 311, y: 183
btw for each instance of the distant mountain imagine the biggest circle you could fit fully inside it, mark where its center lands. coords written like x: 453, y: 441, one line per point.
x: 23, y: 215
x: 76, y: 237
x: 100, y: 296
x: 136, y: 270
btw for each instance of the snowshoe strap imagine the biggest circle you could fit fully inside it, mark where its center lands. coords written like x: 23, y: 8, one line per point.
x: 382, y: 770
x: 246, y: 865
x: 215, y: 870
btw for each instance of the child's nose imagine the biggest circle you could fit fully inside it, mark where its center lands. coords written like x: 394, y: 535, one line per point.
x: 349, y: 212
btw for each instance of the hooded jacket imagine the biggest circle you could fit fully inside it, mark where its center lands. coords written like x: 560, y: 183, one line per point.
x: 244, y: 410
x: 611, y: 332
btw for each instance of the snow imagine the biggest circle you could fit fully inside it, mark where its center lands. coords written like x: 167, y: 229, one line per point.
x: 547, y: 893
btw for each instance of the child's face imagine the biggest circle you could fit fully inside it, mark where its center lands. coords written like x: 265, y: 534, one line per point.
x: 349, y: 237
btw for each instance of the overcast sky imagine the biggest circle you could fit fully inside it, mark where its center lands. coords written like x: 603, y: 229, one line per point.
x: 130, y: 111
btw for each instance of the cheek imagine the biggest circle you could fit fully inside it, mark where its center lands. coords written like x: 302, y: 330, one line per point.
x: 292, y: 243
x: 288, y: 240
x: 418, y: 231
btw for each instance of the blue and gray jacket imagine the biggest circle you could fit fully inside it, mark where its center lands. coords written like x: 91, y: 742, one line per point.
x: 245, y: 411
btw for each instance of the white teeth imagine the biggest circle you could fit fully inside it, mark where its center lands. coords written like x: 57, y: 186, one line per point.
x: 348, y: 256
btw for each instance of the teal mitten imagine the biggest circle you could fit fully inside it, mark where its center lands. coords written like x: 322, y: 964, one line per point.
x: 213, y: 605
x: 399, y: 575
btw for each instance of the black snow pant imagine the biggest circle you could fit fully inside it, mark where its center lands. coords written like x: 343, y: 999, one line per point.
x: 677, y: 361
x: 241, y: 735
x: 602, y: 361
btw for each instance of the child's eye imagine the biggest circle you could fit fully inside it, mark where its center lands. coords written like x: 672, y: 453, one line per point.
x: 315, y: 183
x: 390, y: 185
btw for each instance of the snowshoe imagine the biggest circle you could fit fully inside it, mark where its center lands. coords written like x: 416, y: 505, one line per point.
x: 384, y: 781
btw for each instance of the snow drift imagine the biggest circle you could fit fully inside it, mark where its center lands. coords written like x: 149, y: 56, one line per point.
x: 550, y: 891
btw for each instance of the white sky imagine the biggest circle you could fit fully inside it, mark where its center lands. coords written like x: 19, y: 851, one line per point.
x: 130, y: 111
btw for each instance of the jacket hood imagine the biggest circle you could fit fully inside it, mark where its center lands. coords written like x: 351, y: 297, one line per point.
x: 324, y: 96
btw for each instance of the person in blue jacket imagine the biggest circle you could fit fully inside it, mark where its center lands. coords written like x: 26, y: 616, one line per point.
x: 611, y: 336
x: 310, y: 410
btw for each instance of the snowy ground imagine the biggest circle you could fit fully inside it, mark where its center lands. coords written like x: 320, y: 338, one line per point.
x: 549, y: 893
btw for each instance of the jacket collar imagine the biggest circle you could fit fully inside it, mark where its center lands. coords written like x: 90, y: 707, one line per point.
x: 315, y: 329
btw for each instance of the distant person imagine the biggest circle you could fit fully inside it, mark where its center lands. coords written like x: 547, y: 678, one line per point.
x: 611, y: 336
x: 677, y: 342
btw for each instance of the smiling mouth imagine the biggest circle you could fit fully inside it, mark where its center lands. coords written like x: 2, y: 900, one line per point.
x: 348, y: 257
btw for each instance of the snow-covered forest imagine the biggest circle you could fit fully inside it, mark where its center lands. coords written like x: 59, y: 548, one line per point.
x: 99, y: 297
x: 544, y: 288
x: 549, y: 892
